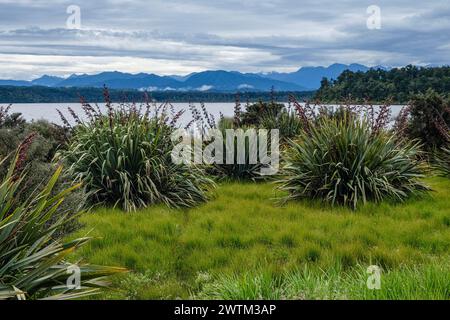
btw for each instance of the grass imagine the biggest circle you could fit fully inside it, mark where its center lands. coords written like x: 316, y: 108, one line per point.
x: 242, y: 234
x: 421, y: 282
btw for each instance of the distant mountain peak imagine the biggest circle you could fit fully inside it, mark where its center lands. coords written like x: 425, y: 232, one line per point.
x: 46, y: 80
x: 305, y: 78
x: 310, y: 77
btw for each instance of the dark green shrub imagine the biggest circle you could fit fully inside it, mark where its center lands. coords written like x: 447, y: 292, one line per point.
x: 235, y: 171
x: 124, y: 159
x: 255, y: 116
x: 347, y: 162
x: 430, y: 120
x: 255, y: 113
x: 286, y: 121
x: 249, y: 170
x: 47, y: 138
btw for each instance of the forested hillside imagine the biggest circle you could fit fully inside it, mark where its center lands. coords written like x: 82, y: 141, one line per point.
x: 38, y: 94
x: 378, y: 85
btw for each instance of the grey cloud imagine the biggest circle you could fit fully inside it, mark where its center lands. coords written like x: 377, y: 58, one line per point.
x: 246, y: 35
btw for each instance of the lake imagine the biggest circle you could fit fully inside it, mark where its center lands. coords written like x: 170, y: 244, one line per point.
x: 47, y: 111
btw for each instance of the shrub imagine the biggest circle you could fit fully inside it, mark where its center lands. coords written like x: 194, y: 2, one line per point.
x: 256, y: 116
x: 124, y: 159
x: 286, y: 121
x: 255, y: 113
x: 235, y: 171
x: 47, y: 138
x: 430, y: 120
x: 32, y: 263
x: 343, y: 161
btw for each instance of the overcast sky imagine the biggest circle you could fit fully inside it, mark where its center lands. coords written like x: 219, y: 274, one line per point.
x: 183, y: 36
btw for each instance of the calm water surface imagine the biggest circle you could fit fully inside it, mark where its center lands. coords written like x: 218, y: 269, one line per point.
x: 47, y: 111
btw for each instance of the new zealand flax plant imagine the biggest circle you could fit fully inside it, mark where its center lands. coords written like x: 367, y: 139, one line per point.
x: 350, y: 160
x: 33, y: 260
x: 124, y: 158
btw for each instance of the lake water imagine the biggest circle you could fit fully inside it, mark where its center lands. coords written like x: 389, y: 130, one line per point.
x: 47, y: 111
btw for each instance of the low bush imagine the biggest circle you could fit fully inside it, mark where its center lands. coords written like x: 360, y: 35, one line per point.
x: 286, y: 121
x: 235, y: 171
x: 430, y: 120
x: 43, y: 140
x: 255, y: 116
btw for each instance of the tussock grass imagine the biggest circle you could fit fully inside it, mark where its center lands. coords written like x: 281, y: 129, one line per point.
x: 430, y: 281
x: 242, y: 231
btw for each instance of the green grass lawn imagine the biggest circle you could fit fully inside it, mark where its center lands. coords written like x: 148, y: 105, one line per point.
x: 243, y: 245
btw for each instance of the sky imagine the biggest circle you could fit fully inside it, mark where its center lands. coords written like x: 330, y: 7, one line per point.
x: 169, y: 37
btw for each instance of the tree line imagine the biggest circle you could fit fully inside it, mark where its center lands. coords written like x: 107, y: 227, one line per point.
x: 377, y: 85
x: 38, y: 94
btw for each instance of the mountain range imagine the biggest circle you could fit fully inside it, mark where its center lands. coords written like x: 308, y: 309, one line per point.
x: 305, y: 79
